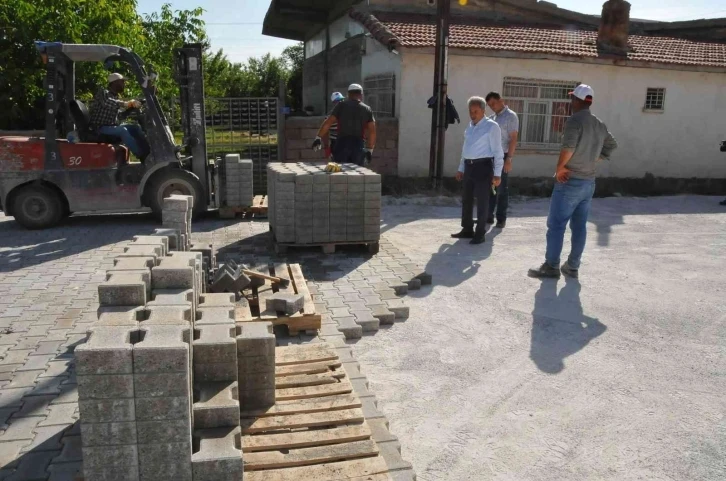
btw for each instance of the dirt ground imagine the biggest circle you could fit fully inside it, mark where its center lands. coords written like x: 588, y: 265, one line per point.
x: 620, y: 376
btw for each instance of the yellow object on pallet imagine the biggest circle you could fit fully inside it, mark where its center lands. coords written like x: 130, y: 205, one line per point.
x: 332, y: 168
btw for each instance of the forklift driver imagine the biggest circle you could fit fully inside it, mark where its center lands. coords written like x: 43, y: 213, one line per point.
x: 104, y: 117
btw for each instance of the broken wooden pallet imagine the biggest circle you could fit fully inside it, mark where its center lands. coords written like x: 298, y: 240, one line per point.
x: 257, y: 210
x: 316, y: 430
x: 253, y: 307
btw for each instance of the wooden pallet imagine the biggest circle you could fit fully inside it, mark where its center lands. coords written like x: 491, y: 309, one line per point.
x: 305, y: 320
x: 257, y: 210
x: 316, y: 431
x: 281, y: 248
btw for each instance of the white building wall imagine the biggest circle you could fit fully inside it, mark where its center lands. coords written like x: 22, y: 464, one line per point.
x: 682, y: 142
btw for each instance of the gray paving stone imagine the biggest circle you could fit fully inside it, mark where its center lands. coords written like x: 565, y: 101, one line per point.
x: 33, y: 466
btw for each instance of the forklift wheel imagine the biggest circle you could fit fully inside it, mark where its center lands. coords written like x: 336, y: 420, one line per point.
x: 175, y: 181
x: 37, y: 207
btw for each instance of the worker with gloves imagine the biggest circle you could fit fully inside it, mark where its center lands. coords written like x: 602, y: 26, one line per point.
x: 104, y: 117
x: 332, y: 137
x: 355, y: 122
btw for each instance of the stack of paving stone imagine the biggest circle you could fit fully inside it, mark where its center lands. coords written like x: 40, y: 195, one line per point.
x: 310, y: 206
x: 176, y: 214
x: 238, y: 186
x: 158, y: 377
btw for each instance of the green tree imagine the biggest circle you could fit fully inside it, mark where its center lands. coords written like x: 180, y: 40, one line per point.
x: 294, y: 58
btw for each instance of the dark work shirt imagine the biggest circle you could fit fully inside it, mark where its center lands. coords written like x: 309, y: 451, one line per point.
x: 105, y: 108
x: 353, y: 118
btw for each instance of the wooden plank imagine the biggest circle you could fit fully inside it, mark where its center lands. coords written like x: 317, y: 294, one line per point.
x: 289, y: 355
x: 302, y: 439
x: 301, y: 287
x: 242, y: 311
x: 308, y: 456
x: 302, y: 406
x: 296, y: 421
x: 343, y: 387
x: 375, y: 477
x: 311, y: 368
x: 323, y: 472
x: 308, y: 380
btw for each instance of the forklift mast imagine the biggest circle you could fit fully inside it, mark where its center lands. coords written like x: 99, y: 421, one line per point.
x: 190, y: 77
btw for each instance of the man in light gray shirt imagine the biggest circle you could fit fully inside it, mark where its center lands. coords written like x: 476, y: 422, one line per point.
x: 585, y: 142
x: 509, y: 124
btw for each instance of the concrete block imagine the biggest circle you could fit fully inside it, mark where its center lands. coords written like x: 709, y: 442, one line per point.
x: 108, y: 434
x: 366, y: 320
x: 111, y: 463
x: 216, y: 405
x: 399, y: 287
x: 119, y: 316
x: 259, y: 399
x: 160, y: 408
x: 168, y: 315
x: 107, y: 410
x: 145, y: 275
x: 255, y: 339
x: 214, y: 315
x: 143, y: 251
x: 164, y: 349
x: 219, y: 457
x: 383, y: 314
x: 391, y: 452
x: 172, y: 297
x: 216, y: 300
x: 287, y: 303
x: 398, y: 308
x: 249, y: 365
x: 165, y: 462
x: 174, y: 217
x: 173, y: 274
x: 172, y: 236
x: 133, y: 263
x: 175, y: 204
x: 108, y: 350
x: 174, y: 384
x: 164, y: 431
x: 215, y: 344
x: 123, y: 290
x: 350, y: 328
x: 113, y: 386
x: 152, y: 240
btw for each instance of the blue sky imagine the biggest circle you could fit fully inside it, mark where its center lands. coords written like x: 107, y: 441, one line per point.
x: 236, y: 26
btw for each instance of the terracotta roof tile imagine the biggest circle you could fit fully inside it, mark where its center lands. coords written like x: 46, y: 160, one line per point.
x: 577, y: 43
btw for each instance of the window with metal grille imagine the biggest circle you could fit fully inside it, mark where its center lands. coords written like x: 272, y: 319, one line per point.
x: 655, y: 99
x: 380, y: 94
x: 543, y: 107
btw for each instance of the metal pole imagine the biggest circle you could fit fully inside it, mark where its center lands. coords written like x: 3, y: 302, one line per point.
x: 441, y: 77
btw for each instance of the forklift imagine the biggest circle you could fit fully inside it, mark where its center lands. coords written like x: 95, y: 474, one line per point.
x: 45, y: 179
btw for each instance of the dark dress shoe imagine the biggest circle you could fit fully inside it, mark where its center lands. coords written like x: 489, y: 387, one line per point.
x: 501, y: 224
x: 464, y: 234
x: 478, y: 239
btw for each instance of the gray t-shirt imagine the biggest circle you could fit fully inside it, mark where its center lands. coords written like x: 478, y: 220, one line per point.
x: 353, y: 117
x: 589, y: 137
x: 508, y: 122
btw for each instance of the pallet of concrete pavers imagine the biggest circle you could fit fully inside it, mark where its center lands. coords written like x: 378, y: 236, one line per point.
x: 258, y: 210
x: 306, y: 320
x: 317, y: 430
x: 281, y: 248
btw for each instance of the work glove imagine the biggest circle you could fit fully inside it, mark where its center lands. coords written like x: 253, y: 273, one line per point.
x: 368, y: 156
x: 317, y: 144
x: 133, y: 104
x: 333, y: 168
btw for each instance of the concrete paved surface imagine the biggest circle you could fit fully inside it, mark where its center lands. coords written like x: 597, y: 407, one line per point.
x: 621, y: 376
x: 494, y: 376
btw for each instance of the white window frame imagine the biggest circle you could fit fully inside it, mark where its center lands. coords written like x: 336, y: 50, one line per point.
x: 529, y: 92
x: 658, y: 91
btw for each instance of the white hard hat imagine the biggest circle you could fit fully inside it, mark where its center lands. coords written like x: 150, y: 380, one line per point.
x: 355, y: 88
x: 114, y: 77
x: 336, y: 97
x: 584, y: 92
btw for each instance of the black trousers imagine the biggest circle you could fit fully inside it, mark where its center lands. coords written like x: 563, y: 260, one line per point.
x: 500, y: 200
x: 477, y: 183
x: 349, y: 150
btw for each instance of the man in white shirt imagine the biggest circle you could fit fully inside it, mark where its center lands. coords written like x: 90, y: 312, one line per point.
x: 482, y: 159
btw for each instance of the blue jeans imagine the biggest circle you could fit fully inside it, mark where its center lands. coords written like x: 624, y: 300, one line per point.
x: 349, y: 150
x: 131, y: 136
x: 570, y: 203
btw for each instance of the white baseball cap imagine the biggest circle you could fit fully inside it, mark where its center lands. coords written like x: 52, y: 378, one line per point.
x: 583, y: 91
x: 355, y: 88
x: 114, y: 77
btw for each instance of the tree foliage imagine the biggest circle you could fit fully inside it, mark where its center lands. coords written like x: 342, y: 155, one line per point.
x: 153, y: 36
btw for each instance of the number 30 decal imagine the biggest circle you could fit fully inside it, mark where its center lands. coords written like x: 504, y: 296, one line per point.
x: 76, y: 161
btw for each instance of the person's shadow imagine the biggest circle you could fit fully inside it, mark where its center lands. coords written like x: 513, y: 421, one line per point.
x: 559, y: 327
